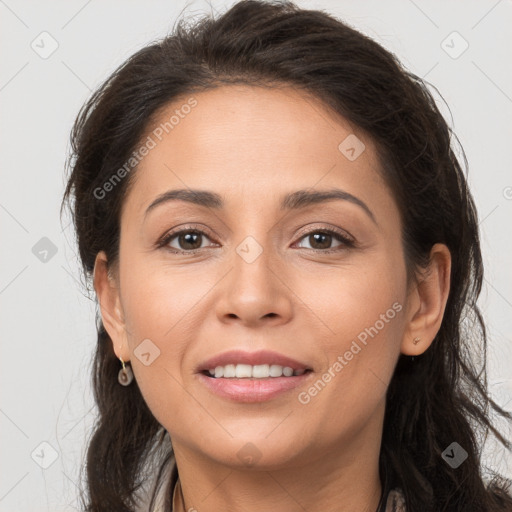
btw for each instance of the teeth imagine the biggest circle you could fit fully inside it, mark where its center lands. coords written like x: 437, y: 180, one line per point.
x: 276, y: 370
x: 243, y: 370
x: 229, y: 371
x: 247, y: 371
x: 261, y: 371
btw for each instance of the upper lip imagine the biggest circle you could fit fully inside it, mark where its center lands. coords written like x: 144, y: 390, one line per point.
x: 252, y: 358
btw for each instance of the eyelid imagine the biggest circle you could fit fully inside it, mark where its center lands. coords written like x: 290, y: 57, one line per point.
x: 165, y: 238
x: 346, y: 239
x: 329, y: 229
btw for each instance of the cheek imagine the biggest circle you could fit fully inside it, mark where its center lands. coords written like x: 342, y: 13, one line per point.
x: 159, y: 298
x: 160, y: 304
x: 364, y: 313
x: 348, y: 299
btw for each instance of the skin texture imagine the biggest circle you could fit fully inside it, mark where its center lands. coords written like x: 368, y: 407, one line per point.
x: 253, y: 145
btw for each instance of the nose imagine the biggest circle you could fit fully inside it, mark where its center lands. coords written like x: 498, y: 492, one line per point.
x: 255, y: 292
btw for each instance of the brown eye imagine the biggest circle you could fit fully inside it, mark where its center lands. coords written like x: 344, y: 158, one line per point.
x: 321, y: 240
x: 185, y: 241
x: 190, y: 240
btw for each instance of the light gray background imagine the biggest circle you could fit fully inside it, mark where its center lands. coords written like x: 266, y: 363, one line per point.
x: 47, y: 323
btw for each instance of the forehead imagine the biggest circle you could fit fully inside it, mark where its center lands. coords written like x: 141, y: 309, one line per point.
x: 245, y: 141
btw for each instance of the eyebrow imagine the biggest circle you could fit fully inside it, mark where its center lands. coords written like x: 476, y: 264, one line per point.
x: 291, y: 201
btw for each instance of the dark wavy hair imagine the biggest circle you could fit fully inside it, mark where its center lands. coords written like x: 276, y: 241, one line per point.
x: 433, y: 399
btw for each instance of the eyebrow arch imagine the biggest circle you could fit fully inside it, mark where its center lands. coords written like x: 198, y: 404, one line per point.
x: 291, y: 201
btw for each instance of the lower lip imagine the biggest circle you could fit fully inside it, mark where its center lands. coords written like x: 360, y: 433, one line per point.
x: 252, y: 390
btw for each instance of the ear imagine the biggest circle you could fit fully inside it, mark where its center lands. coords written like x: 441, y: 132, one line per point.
x: 426, y: 302
x: 112, y: 315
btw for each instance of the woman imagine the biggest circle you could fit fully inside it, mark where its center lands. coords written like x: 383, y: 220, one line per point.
x: 286, y: 259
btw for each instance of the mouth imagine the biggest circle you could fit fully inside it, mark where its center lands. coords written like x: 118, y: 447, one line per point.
x: 256, y: 372
x: 260, y: 365
x: 254, y: 390
x: 252, y: 377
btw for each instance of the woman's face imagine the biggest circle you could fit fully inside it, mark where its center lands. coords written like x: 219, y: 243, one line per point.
x: 265, y: 277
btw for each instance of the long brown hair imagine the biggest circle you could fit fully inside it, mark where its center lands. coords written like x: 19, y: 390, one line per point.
x: 432, y: 401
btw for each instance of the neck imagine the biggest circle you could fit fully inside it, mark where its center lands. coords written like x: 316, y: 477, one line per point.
x: 343, y: 479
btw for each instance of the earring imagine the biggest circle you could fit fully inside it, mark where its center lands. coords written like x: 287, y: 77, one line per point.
x: 125, y: 375
x: 416, y: 340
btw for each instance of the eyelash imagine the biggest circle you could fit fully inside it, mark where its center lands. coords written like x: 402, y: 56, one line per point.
x: 345, y: 240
